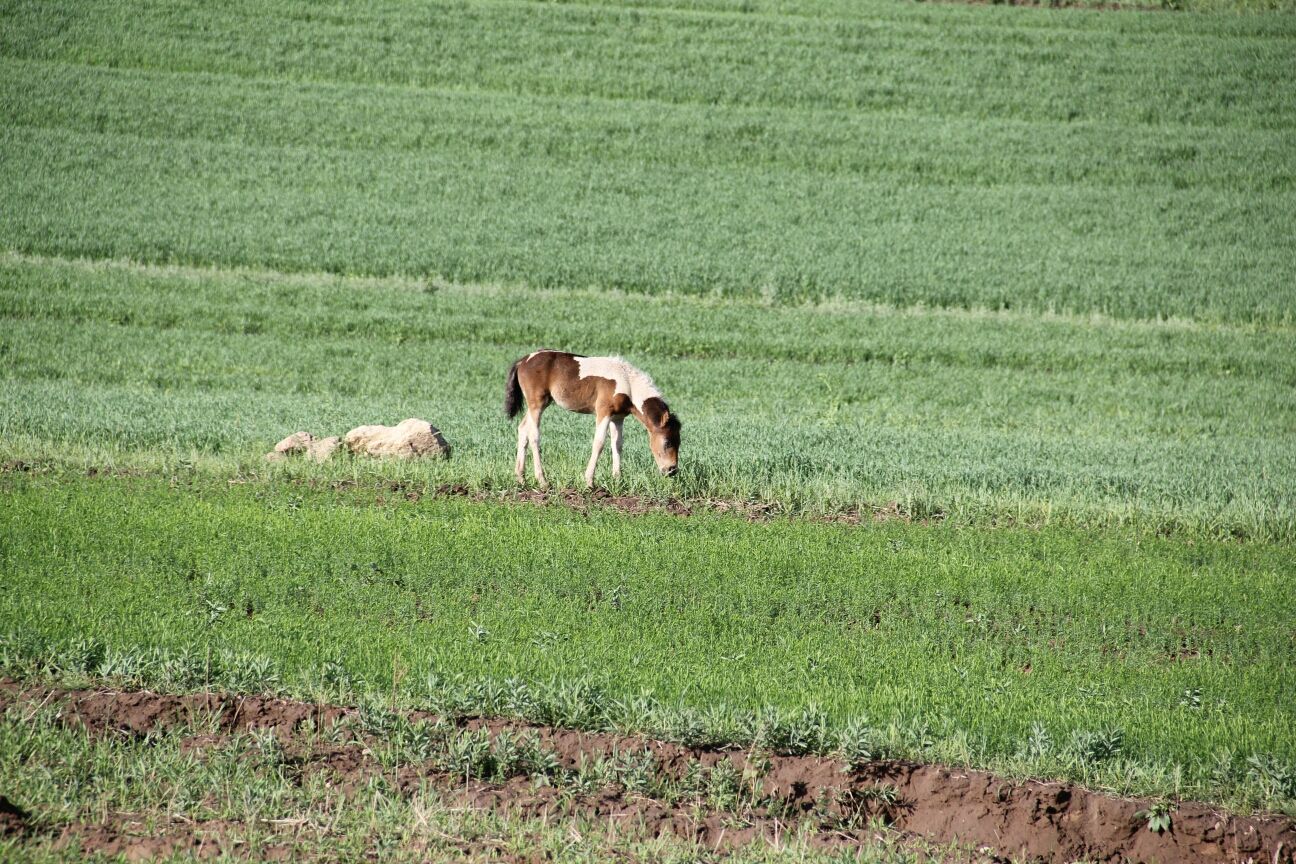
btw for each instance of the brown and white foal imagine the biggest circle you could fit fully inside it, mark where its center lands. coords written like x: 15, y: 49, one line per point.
x: 607, y: 387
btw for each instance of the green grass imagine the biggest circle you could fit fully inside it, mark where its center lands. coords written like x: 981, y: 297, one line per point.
x: 1136, y: 165
x: 970, y: 645
x: 670, y: 182
x: 982, y: 267
x: 979, y: 417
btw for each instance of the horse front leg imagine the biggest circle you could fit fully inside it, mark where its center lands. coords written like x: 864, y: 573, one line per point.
x: 600, y: 435
x: 616, y: 446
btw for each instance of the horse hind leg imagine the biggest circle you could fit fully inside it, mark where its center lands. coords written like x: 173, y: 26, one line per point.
x: 533, y: 436
x: 519, y: 467
x: 615, y: 429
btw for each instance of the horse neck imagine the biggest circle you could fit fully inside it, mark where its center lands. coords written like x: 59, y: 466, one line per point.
x: 650, y: 414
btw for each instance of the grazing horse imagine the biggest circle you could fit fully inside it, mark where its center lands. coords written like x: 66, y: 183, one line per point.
x: 607, y: 387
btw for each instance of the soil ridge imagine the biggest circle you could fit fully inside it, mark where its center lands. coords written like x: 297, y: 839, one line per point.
x: 1031, y: 819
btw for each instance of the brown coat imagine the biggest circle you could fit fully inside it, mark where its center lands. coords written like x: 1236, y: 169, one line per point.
x: 607, y: 387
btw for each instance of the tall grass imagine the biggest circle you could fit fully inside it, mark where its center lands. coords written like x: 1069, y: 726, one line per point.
x: 973, y: 417
x: 1138, y: 166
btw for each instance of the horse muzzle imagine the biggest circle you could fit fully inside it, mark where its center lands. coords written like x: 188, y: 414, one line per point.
x: 671, y: 471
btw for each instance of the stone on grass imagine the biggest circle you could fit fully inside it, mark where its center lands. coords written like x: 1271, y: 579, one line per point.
x: 408, y: 439
x: 295, y: 443
x: 298, y: 442
x: 322, y: 448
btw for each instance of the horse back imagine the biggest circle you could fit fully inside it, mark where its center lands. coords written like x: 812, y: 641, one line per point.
x: 554, y: 376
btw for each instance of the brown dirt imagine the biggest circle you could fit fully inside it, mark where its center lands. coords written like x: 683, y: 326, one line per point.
x: 636, y: 505
x: 121, y: 836
x: 583, y: 501
x: 13, y: 819
x: 1031, y: 820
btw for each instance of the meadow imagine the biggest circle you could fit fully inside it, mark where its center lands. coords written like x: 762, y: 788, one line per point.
x: 983, y: 317
x: 947, y: 642
x: 1137, y: 166
x: 828, y: 409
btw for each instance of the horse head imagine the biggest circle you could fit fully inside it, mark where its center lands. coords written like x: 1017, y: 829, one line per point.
x: 664, y: 441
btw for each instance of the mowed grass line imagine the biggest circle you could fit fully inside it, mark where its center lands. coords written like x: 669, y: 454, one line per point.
x: 976, y: 418
x: 943, y: 156
x: 980, y: 641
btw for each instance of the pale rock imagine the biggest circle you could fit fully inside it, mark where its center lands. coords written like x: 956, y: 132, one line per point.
x: 298, y: 442
x: 410, y: 438
x: 321, y: 449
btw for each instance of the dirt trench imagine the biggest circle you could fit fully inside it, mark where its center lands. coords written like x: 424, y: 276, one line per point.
x: 1006, y: 819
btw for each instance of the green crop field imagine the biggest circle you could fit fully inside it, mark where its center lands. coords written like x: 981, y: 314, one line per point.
x: 973, y: 417
x: 970, y: 637
x: 981, y: 322
x: 1139, y: 166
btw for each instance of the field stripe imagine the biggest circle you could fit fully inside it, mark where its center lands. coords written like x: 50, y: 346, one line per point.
x: 531, y: 220
x: 978, y: 418
x: 460, y: 45
x: 235, y: 276
x: 226, y: 108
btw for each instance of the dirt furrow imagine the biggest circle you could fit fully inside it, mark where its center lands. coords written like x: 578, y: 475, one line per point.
x: 1032, y: 820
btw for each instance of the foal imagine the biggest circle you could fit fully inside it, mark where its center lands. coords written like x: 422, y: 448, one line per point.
x: 607, y: 387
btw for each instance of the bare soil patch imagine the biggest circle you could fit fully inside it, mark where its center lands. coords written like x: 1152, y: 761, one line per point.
x: 635, y: 505
x: 1032, y: 820
x: 13, y: 819
x: 121, y: 836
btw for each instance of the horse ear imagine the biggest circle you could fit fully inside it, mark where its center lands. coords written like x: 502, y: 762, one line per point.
x: 665, y: 418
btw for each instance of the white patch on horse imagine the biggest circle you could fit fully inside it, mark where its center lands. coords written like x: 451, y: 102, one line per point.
x: 629, y: 380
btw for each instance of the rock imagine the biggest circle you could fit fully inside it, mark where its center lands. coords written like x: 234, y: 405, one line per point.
x: 298, y: 442
x: 323, y: 448
x: 410, y: 438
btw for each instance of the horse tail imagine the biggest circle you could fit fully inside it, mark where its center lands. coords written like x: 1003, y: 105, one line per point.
x: 512, y: 392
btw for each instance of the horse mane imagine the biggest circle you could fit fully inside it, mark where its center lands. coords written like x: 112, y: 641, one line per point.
x: 630, y: 380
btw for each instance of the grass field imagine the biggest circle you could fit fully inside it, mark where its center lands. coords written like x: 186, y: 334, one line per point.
x: 970, y: 416
x: 1139, y: 166
x: 1011, y: 289
x: 969, y: 642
